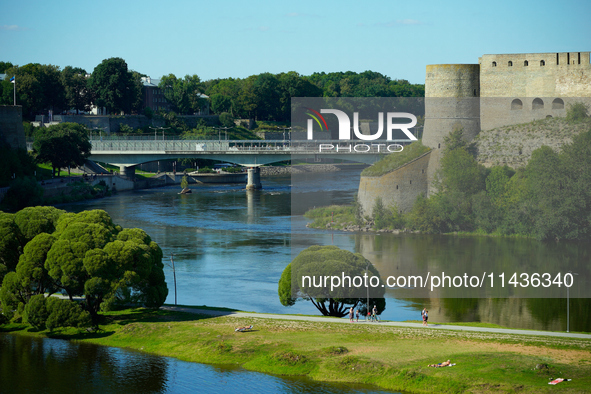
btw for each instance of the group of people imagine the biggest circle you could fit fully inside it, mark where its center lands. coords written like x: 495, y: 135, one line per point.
x: 354, y: 314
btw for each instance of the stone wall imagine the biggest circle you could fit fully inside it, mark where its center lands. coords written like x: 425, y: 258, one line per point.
x: 519, y: 88
x: 11, y: 126
x: 111, y: 124
x: 399, y: 187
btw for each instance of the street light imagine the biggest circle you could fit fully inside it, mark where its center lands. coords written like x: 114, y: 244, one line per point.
x: 367, y: 287
x: 173, y: 275
x: 159, y: 128
x: 568, y: 304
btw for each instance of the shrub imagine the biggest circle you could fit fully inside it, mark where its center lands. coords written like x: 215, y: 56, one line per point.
x: 36, y: 311
x: 577, y: 112
x: 65, y: 313
x: 226, y: 119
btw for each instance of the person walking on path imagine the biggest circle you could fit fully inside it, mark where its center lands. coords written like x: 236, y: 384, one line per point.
x: 351, y: 314
x: 357, y: 314
x: 426, y: 318
x: 374, y: 313
x: 423, y: 316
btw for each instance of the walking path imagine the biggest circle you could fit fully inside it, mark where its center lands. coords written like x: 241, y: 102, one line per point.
x: 324, y: 319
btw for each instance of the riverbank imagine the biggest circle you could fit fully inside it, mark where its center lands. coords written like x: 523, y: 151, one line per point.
x: 390, y: 357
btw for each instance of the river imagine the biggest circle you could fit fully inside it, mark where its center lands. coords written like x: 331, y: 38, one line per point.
x: 230, y: 248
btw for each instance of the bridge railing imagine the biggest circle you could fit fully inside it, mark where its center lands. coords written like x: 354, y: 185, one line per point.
x: 237, y: 146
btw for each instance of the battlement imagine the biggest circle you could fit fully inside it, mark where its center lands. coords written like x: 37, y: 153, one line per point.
x: 522, y: 60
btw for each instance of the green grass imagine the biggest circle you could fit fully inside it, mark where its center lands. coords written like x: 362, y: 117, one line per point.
x: 396, y: 160
x: 390, y: 357
x: 338, y: 216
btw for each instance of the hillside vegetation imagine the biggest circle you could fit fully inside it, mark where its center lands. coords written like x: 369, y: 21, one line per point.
x: 395, y: 160
x: 513, y: 145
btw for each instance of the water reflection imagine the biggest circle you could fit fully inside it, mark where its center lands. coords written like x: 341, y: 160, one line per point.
x: 35, y: 365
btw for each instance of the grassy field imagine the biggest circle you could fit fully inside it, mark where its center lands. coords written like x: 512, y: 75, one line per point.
x: 389, y: 357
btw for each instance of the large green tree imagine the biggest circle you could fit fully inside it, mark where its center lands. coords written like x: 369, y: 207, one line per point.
x: 183, y: 94
x: 75, y: 84
x: 63, y: 145
x: 86, y: 255
x: 114, y: 86
x: 321, y: 261
x: 39, y: 88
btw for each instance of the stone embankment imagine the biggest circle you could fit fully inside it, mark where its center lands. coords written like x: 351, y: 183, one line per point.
x: 302, y: 168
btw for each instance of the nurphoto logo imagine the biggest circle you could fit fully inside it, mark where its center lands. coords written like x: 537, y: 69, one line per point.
x: 369, y: 125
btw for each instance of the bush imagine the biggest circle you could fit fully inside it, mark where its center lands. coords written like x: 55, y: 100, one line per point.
x: 577, y: 112
x: 227, y: 120
x: 65, y: 313
x: 125, y: 129
x: 36, y: 311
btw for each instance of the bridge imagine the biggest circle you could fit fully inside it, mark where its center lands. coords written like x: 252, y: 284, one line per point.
x: 129, y: 152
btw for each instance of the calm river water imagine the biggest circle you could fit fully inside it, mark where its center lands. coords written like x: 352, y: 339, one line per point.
x: 230, y: 248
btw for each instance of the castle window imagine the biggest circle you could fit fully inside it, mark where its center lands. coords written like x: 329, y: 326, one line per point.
x: 494, y: 64
x: 537, y: 104
x: 557, y: 59
x: 557, y: 104
x: 438, y: 146
x: 516, y: 104
x: 411, y: 182
x: 474, y: 92
x: 525, y: 63
x: 396, y: 187
x: 422, y: 171
x: 579, y: 58
x: 542, y: 63
x: 510, y: 64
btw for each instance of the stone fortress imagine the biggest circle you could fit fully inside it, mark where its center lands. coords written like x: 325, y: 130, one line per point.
x: 500, y: 90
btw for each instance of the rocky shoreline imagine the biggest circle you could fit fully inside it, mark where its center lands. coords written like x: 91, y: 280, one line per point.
x: 366, y: 227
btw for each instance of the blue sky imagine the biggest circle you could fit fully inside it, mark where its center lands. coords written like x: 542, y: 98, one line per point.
x: 220, y: 39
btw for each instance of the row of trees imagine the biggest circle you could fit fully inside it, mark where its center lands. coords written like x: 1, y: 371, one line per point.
x: 44, y: 250
x: 267, y: 96
x: 112, y: 85
x: 40, y: 87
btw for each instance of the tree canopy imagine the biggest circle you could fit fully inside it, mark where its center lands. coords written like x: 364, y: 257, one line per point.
x: 63, y: 145
x: 183, y: 94
x: 321, y: 261
x: 82, y: 254
x: 116, y: 88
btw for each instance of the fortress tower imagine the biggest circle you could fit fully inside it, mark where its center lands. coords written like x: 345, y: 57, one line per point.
x: 500, y: 90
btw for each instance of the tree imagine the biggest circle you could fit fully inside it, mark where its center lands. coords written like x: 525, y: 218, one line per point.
x: 87, y: 255
x: 38, y: 88
x: 114, y: 86
x: 75, y: 83
x: 320, y: 261
x: 63, y: 145
x: 184, y: 95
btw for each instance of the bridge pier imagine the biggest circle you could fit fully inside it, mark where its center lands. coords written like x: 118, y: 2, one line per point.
x: 127, y: 172
x: 254, y: 179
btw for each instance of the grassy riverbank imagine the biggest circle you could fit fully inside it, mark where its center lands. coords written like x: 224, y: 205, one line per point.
x: 389, y: 357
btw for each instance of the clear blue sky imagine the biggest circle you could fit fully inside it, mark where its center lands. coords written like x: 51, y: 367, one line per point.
x: 220, y: 39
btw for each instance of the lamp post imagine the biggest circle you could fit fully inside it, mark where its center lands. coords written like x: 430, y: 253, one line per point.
x: 159, y: 128
x: 173, y: 275
x: 367, y: 287
x: 100, y: 129
x: 568, y: 304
